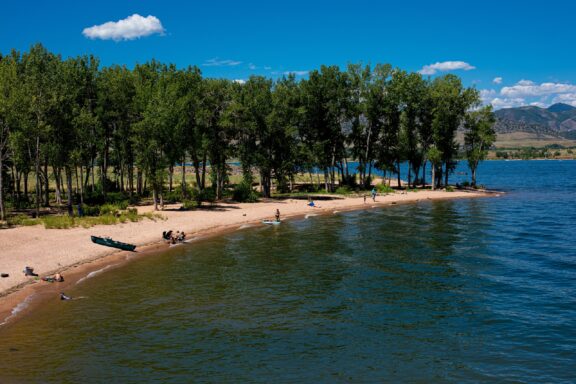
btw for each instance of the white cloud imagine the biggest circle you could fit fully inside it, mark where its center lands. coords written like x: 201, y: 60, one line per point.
x: 446, y: 66
x: 499, y: 103
x: 215, y: 62
x: 297, y: 73
x: 487, y: 95
x: 497, y: 80
x: 239, y: 81
x: 538, y: 104
x: 252, y: 66
x: 527, y: 88
x: 566, y: 98
x: 267, y: 68
x: 130, y: 28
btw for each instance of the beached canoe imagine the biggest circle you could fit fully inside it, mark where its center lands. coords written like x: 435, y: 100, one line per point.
x: 108, y: 242
x: 271, y: 222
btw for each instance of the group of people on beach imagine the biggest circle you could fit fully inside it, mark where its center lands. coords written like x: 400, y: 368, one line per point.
x: 172, y: 237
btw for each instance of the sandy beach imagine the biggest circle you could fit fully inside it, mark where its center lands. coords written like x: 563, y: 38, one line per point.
x: 71, y: 251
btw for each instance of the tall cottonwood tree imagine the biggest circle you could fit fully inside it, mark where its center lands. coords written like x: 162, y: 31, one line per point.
x: 479, y: 137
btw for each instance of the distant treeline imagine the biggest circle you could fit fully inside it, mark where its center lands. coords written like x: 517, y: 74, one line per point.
x: 71, y: 121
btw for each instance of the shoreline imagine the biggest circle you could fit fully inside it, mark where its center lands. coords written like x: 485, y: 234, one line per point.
x: 79, y: 259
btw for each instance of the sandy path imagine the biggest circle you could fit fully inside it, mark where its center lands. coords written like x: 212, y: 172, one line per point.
x: 51, y: 250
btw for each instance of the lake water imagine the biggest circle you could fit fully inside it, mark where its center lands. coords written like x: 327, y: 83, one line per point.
x: 479, y: 290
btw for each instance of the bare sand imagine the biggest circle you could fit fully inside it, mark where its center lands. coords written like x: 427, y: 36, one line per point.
x: 71, y: 252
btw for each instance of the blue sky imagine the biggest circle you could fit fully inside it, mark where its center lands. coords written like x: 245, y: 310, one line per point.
x: 529, y: 45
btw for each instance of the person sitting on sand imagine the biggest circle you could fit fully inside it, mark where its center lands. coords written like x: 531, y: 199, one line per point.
x: 277, y: 215
x: 166, y: 235
x: 29, y: 271
x: 57, y: 278
x: 181, y: 236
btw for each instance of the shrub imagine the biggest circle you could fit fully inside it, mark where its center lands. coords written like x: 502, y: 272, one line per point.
x: 343, y: 190
x: 243, y: 193
x: 384, y: 188
x: 173, y: 197
x: 189, y: 205
x: 449, y: 188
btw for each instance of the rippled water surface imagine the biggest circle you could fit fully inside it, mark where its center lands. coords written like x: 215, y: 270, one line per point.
x: 480, y: 290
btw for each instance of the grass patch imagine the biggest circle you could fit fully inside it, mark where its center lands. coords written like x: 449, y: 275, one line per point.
x: 113, y: 216
x: 22, y: 220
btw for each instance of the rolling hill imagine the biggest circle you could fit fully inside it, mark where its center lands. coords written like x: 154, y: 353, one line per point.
x: 530, y: 124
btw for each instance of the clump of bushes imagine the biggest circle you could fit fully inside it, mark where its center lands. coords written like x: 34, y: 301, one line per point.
x: 244, y: 193
x: 384, y: 188
x: 344, y: 190
x: 189, y: 205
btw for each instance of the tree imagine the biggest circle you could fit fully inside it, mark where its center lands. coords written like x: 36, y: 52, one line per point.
x: 479, y: 137
x: 9, y: 108
x: 451, y: 102
x: 324, y: 103
x: 40, y: 87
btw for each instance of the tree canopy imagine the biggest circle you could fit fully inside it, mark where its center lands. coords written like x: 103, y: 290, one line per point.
x: 83, y: 131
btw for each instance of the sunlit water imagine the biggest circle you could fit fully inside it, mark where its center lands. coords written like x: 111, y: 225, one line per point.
x: 480, y: 290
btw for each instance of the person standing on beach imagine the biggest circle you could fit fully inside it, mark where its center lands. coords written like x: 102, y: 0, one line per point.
x: 277, y: 215
x: 373, y: 194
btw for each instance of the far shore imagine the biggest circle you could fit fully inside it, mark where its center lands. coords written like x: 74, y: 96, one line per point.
x: 72, y: 253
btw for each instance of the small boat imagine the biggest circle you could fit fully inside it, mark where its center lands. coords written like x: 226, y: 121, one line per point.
x: 108, y: 242
x: 271, y: 222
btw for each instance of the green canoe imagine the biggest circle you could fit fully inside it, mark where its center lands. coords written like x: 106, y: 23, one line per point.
x: 113, y: 243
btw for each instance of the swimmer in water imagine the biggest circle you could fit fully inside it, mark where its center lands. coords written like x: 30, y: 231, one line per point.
x: 64, y: 297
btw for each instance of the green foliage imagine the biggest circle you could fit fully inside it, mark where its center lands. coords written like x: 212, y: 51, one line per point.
x: 384, y: 188
x: 58, y: 222
x: 189, y: 205
x: 449, y: 188
x: 22, y: 220
x: 102, y: 131
x: 244, y: 193
x: 344, y: 190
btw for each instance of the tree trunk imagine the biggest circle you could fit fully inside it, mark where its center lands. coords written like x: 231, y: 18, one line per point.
x: 130, y: 180
x: 77, y: 190
x: 139, y: 181
x: 37, y: 169
x: 47, y: 184
x: 203, y: 172
x: 433, y: 177
x: 473, y: 169
x: 26, y: 174
x: 424, y: 174
x: 58, y: 191
x: 154, y: 196
x: 170, y: 177
x: 81, y: 186
x: 446, y: 175
x: 183, y: 185
x: 2, y: 209
x: 18, y: 181
x: 196, y: 164
x: 399, y: 182
x: 69, y: 190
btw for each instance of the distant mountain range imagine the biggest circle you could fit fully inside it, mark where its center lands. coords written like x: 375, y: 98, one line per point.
x: 557, y: 120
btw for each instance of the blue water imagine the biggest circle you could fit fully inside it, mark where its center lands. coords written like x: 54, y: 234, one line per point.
x: 463, y: 291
